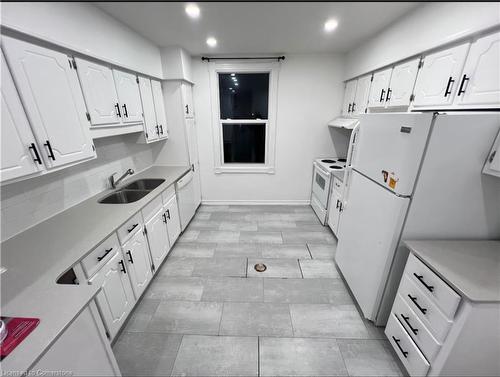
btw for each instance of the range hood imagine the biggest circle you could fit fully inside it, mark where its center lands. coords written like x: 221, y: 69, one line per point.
x: 341, y: 122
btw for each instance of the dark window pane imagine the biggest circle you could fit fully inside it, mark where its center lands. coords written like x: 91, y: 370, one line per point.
x: 244, y: 143
x: 243, y: 95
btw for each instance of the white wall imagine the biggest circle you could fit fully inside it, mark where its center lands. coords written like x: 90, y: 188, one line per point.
x: 310, y: 93
x: 427, y: 27
x: 87, y: 29
x: 26, y: 203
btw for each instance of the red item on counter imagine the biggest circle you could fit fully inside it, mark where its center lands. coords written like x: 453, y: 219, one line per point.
x: 18, y: 329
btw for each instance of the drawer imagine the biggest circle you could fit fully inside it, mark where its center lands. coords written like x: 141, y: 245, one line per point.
x: 425, y: 308
x: 408, y: 352
x: 337, y: 185
x: 151, y: 208
x: 446, y: 298
x: 415, y: 328
x: 100, y: 255
x: 168, y: 193
x: 130, y: 227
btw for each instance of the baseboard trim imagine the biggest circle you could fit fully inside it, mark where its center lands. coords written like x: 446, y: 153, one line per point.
x: 255, y: 202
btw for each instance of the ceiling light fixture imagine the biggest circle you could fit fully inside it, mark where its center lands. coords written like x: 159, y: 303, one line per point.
x: 331, y: 25
x: 232, y: 74
x: 192, y: 10
x: 211, y: 41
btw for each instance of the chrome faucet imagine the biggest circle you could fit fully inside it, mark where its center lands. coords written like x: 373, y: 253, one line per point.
x: 114, y: 183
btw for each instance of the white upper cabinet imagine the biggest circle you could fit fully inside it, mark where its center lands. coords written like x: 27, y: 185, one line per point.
x: 53, y: 100
x: 161, y: 116
x: 349, y: 96
x: 362, y: 92
x: 148, y: 107
x: 187, y: 99
x: 378, y: 90
x: 20, y: 155
x: 402, y: 83
x: 480, y: 80
x: 128, y: 96
x: 439, y: 77
x: 99, y: 91
x: 136, y: 254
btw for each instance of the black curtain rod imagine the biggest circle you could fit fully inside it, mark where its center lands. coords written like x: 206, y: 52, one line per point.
x: 207, y: 58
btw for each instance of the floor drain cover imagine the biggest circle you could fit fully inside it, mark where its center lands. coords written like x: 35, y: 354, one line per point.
x: 260, y: 267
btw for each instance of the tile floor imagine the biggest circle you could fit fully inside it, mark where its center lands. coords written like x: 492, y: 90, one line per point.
x: 209, y: 313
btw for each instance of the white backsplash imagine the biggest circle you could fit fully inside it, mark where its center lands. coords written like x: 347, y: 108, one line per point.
x: 26, y: 203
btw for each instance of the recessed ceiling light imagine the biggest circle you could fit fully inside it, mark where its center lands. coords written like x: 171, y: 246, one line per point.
x: 331, y: 25
x: 236, y: 84
x: 192, y: 10
x: 232, y: 74
x: 211, y: 41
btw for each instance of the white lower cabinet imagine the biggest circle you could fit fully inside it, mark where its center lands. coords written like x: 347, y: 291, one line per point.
x: 173, y: 220
x: 136, y: 254
x: 156, y: 230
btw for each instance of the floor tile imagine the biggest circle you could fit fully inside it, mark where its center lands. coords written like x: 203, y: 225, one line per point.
x: 307, y: 237
x: 202, y: 215
x: 261, y: 237
x: 141, y: 315
x: 235, y: 267
x: 327, y: 321
x: 336, y: 292
x: 198, y: 224
x: 176, y: 288
x: 189, y: 236
x: 186, y: 317
x: 213, y: 208
x: 305, y: 226
x: 252, y: 319
x: 193, y: 250
x: 276, y: 225
x: 142, y: 354
x: 322, y: 251
x: 233, y: 289
x: 369, y: 358
x: 318, y: 268
x: 286, y: 251
x: 300, y: 357
x: 276, y: 268
x: 177, y: 267
x: 215, y: 236
x: 238, y: 226
x: 309, y: 217
x: 295, y: 291
x: 217, y: 356
x: 225, y: 250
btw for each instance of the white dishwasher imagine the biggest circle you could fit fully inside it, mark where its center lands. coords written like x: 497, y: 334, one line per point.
x: 186, y: 197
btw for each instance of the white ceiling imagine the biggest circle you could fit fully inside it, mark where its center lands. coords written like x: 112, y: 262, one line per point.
x: 246, y: 28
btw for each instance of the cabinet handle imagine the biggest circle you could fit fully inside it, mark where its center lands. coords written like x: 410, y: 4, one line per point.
x: 35, y: 151
x: 421, y: 279
x: 492, y: 156
x: 407, y: 320
x: 125, y: 112
x: 157, y: 130
x: 123, y: 267
x: 349, y: 110
x: 353, y: 106
x: 164, y: 218
x: 133, y: 227
x: 168, y: 214
x: 161, y: 129
x: 382, y: 93
x: 388, y: 98
x: 461, y: 90
x: 414, y: 300
x: 130, y: 259
x: 107, y: 251
x: 51, y: 152
x: 187, y: 109
x: 447, y: 92
x: 117, y: 107
x: 337, y: 206
x: 405, y: 353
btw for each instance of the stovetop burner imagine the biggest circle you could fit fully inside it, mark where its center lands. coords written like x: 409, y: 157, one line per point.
x: 328, y: 161
x: 336, y: 167
x: 342, y: 160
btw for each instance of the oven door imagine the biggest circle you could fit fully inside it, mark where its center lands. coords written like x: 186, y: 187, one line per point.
x: 321, y: 185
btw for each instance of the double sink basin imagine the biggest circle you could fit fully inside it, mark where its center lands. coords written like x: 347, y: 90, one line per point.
x: 132, y: 192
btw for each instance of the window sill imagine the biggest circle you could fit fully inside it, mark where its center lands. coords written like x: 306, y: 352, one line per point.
x: 244, y: 169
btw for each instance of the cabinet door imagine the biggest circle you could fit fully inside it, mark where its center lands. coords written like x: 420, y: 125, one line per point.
x: 402, y: 83
x: 362, y: 92
x: 187, y: 99
x: 492, y: 165
x: 138, y: 263
x: 192, y: 141
x: 378, y: 90
x: 150, y: 124
x: 438, y: 78
x: 349, y: 94
x: 173, y: 221
x: 334, y: 211
x: 20, y: 155
x: 99, y: 91
x: 480, y: 81
x: 128, y: 96
x: 116, y: 298
x: 53, y: 100
x: 158, y: 237
x: 161, y: 116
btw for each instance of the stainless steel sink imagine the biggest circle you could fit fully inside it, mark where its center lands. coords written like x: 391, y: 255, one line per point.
x: 124, y: 196
x: 144, y: 184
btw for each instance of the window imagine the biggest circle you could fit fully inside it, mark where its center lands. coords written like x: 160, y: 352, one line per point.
x: 244, y: 107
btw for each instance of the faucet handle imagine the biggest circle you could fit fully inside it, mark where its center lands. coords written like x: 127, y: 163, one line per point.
x: 111, y: 179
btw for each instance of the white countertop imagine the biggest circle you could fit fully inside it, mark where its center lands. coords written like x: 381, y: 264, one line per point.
x: 471, y: 267
x: 35, y: 259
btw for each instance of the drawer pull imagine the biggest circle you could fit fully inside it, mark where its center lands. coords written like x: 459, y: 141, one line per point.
x: 133, y: 227
x: 414, y: 300
x: 421, y: 279
x: 405, y: 353
x: 130, y: 259
x: 107, y: 251
x: 123, y: 267
x: 407, y: 320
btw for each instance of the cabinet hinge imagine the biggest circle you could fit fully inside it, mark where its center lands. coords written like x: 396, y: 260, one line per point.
x: 93, y: 147
x: 421, y: 63
x: 145, y: 231
x: 412, y: 97
x: 153, y: 268
x: 371, y: 79
x: 137, y: 79
x: 107, y: 335
x: 147, y: 136
x: 74, y: 63
x: 88, y: 116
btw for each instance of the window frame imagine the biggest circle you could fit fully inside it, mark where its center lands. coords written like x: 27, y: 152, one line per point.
x: 268, y: 167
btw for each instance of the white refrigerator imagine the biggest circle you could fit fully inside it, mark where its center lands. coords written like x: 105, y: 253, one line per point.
x: 412, y: 175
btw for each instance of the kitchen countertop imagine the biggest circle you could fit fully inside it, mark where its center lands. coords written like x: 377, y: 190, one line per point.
x: 471, y: 267
x: 37, y: 257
